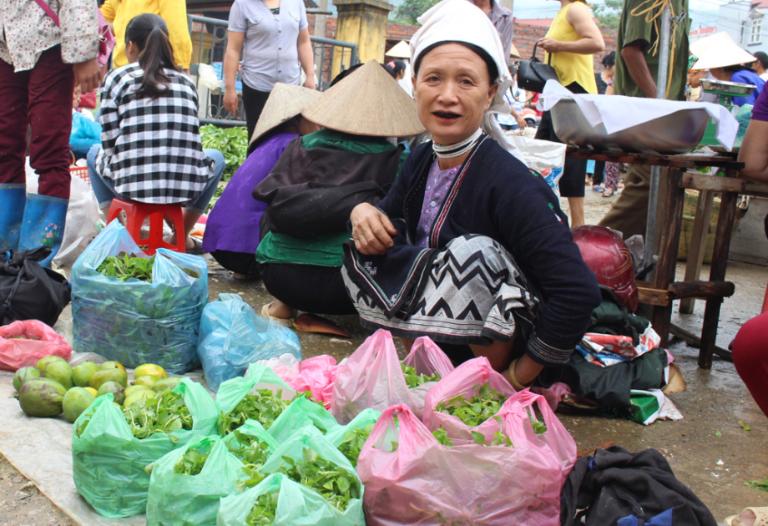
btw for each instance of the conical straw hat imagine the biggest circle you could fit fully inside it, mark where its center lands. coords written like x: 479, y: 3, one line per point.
x: 368, y: 102
x: 719, y: 51
x: 284, y: 103
x: 399, y: 50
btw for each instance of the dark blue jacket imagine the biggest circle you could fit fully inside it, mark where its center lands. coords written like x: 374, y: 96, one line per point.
x: 500, y: 198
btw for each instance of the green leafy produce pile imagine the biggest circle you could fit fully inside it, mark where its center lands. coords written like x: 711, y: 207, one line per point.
x: 164, y: 414
x: 231, y: 142
x: 499, y: 439
x: 125, y: 266
x: 414, y: 379
x: 334, y: 483
x: 193, y: 460
x: 353, y: 442
x: 252, y: 452
x: 539, y: 427
x: 476, y: 410
x: 263, y: 406
x: 263, y: 511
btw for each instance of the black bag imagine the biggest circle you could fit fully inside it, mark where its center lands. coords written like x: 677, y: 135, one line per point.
x: 533, y: 74
x: 29, y: 291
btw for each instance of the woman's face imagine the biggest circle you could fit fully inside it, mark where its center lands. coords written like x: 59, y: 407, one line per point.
x: 452, y: 91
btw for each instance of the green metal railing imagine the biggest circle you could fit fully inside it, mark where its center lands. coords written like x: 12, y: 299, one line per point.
x: 209, y: 42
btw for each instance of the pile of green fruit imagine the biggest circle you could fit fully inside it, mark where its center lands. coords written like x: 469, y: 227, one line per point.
x: 53, y: 387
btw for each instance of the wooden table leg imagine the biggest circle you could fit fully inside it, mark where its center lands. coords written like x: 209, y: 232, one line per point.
x: 697, y: 245
x: 717, y: 273
x: 670, y: 223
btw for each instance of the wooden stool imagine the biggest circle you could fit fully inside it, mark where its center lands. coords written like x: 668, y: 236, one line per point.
x: 136, y: 213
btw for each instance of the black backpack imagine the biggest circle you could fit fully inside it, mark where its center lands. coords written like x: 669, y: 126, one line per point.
x: 29, y: 291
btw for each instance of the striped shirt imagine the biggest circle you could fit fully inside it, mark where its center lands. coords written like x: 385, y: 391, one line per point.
x: 151, y: 149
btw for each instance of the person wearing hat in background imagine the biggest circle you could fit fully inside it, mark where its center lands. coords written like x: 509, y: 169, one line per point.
x: 695, y: 92
x: 272, y: 39
x: 761, y: 65
x: 401, y: 51
x: 319, y: 179
x: 397, y: 69
x: 637, y: 67
x: 727, y: 61
x: 571, y: 40
x: 468, y: 247
x: 232, y: 230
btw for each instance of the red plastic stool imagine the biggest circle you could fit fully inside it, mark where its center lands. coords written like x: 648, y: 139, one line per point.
x: 136, y: 213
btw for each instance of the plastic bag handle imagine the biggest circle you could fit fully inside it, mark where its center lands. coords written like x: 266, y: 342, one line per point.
x: 410, y: 427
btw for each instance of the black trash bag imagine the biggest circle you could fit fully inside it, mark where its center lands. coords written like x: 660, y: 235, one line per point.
x: 29, y: 291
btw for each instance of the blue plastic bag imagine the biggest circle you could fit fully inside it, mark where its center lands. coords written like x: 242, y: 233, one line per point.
x: 85, y: 133
x: 232, y: 337
x: 135, y: 321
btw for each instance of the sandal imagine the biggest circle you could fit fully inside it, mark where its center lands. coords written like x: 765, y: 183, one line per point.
x: 196, y: 248
x: 608, y: 192
x: 749, y: 517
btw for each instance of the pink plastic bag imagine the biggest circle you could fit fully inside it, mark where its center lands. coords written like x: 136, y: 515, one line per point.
x: 466, y: 380
x: 412, y: 479
x: 315, y: 375
x: 24, y: 342
x: 372, y: 376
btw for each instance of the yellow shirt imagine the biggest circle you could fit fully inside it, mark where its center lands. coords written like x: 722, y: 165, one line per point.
x: 174, y: 12
x: 570, y: 67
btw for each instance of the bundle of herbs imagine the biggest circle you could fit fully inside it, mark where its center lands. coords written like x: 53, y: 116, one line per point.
x: 415, y: 379
x: 263, y: 511
x: 252, y: 452
x: 353, y: 441
x: 163, y: 414
x: 125, y: 266
x: 476, y: 410
x: 335, y: 484
x: 262, y: 405
x: 193, y: 459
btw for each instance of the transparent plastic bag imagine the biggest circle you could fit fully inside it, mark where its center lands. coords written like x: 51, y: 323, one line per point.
x: 232, y: 336
x: 373, y: 377
x: 133, y: 321
x: 410, y: 478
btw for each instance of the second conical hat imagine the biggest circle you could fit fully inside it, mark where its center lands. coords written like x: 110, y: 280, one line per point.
x: 399, y: 50
x: 285, y: 102
x: 368, y: 102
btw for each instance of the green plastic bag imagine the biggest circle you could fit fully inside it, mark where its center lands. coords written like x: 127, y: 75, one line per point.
x: 302, y: 412
x: 108, y: 461
x: 232, y: 391
x: 321, y: 512
x: 348, y: 438
x: 296, y: 505
x: 234, y: 442
x: 192, y: 500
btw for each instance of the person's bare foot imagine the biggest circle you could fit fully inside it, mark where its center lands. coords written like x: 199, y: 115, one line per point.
x: 278, y: 310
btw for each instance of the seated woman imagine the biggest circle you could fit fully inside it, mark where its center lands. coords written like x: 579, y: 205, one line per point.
x: 726, y: 62
x: 150, y: 150
x: 317, y: 182
x: 468, y: 247
x: 232, y: 229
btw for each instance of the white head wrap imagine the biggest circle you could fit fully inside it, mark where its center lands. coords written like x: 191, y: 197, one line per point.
x: 462, y: 21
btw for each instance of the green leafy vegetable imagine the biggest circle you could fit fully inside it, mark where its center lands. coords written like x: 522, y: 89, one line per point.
x: 263, y: 511
x: 126, y: 266
x: 231, y: 142
x: 164, y: 414
x: 762, y: 485
x: 500, y: 439
x: 193, y: 459
x: 263, y: 406
x: 745, y: 426
x: 476, y: 410
x: 252, y: 452
x: 334, y: 483
x: 353, y: 442
x: 539, y: 427
x: 414, y: 379
x: 442, y: 437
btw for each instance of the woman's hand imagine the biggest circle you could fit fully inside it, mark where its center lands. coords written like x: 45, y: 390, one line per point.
x: 372, y: 231
x: 88, y: 75
x: 230, y: 101
x: 550, y: 45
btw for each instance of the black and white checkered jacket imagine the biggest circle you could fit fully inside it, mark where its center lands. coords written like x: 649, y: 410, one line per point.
x: 151, y: 149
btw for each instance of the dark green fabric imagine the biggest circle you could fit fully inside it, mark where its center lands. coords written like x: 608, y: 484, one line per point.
x: 343, y: 141
x: 635, y: 29
x: 323, y: 252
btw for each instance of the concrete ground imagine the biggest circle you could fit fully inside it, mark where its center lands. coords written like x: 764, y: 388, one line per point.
x: 718, y: 446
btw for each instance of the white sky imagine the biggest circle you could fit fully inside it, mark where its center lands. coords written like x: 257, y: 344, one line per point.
x: 703, y: 12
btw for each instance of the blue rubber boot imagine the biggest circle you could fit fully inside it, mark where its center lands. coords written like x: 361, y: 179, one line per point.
x: 43, y: 224
x: 12, y: 199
